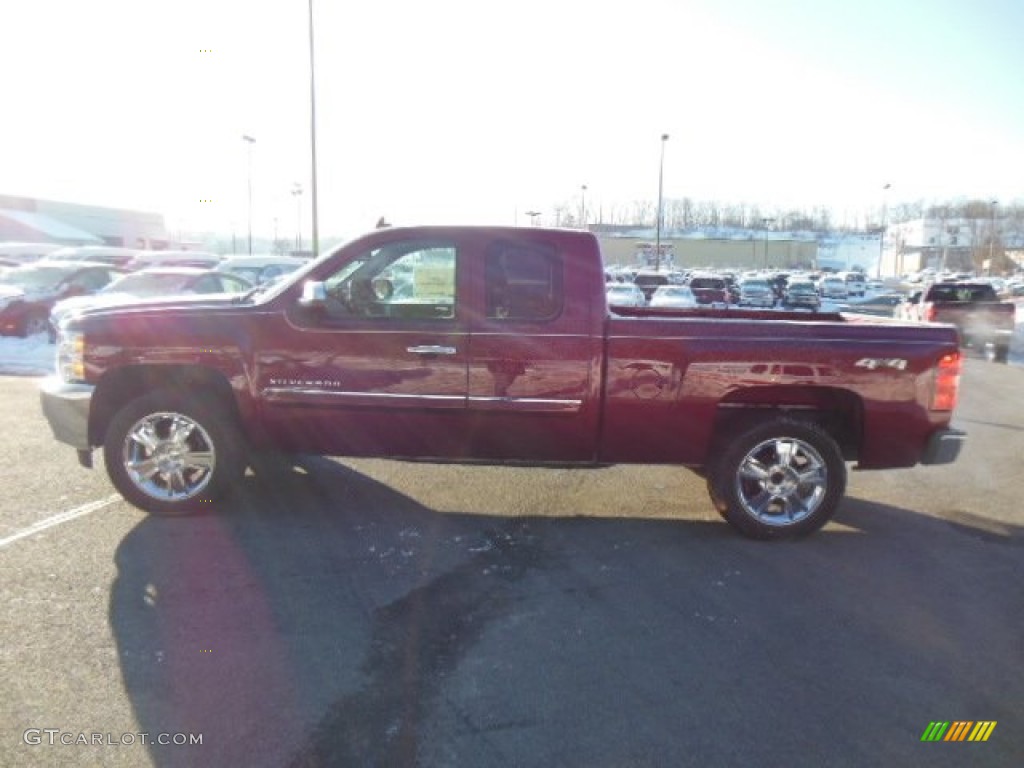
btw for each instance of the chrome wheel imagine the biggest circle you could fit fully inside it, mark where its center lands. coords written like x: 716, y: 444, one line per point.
x: 782, y: 478
x: 168, y: 456
x: 781, y: 481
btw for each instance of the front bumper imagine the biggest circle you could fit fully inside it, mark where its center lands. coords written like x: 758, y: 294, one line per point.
x: 944, y: 446
x: 66, y: 408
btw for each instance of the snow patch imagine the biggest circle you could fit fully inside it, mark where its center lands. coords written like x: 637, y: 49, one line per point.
x: 34, y: 356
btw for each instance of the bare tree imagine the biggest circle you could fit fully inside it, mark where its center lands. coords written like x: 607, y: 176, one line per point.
x: 644, y: 213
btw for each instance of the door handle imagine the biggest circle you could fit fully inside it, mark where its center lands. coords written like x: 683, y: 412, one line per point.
x: 431, y: 350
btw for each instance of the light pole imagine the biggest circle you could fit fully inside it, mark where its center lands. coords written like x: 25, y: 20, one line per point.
x: 533, y: 217
x: 297, y: 194
x: 312, y: 136
x: 657, y: 224
x: 250, y: 141
x: 764, y: 223
x: 583, y: 207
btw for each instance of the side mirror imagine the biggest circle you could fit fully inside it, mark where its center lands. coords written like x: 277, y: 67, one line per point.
x: 383, y: 288
x: 314, y: 295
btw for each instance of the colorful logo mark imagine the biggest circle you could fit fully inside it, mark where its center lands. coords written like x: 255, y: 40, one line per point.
x: 959, y: 730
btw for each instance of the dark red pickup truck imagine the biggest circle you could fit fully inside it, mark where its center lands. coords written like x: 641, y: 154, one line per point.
x: 495, y: 344
x: 974, y: 308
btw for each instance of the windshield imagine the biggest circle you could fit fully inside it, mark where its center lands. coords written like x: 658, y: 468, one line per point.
x: 143, y: 284
x: 38, y: 278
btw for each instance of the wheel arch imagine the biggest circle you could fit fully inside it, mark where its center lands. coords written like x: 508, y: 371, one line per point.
x: 122, y: 385
x: 838, y: 411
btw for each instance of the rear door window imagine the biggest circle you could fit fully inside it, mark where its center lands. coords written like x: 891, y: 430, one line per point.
x: 523, y: 281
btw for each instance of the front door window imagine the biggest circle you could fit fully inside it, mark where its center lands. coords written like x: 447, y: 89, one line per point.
x: 408, y: 280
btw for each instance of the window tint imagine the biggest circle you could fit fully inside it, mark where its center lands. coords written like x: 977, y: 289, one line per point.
x: 523, y: 281
x: 410, y: 280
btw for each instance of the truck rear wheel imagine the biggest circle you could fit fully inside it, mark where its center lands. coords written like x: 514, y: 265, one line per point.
x: 170, y: 453
x: 780, y: 479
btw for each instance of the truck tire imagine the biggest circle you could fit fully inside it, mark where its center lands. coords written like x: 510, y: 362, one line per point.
x: 170, y: 453
x: 780, y: 479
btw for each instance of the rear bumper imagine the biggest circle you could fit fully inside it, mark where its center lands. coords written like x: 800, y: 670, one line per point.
x: 944, y: 446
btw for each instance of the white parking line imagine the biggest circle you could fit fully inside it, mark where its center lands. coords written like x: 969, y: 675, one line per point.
x: 63, y: 517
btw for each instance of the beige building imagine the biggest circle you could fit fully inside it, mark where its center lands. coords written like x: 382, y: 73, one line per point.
x: 35, y: 220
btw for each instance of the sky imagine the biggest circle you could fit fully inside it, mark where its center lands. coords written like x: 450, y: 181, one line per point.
x: 454, y: 111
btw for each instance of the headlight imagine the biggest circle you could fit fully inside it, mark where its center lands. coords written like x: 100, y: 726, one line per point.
x: 71, y: 355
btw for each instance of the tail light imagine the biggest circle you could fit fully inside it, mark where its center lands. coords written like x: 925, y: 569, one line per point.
x: 947, y: 382
x: 929, y: 313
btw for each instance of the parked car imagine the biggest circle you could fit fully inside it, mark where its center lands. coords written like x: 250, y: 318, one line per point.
x: 146, y: 259
x: 832, y: 287
x: 149, y: 283
x: 856, y: 283
x: 679, y: 296
x: 757, y: 293
x: 97, y: 254
x: 30, y: 291
x: 802, y: 293
x: 624, y: 295
x: 709, y: 289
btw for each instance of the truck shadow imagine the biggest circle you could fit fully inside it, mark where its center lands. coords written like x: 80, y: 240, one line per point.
x: 323, y: 619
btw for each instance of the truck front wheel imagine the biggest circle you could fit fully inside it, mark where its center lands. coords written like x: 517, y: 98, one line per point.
x: 780, y: 479
x: 170, y: 453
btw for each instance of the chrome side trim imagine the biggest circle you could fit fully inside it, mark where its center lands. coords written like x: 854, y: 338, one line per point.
x: 525, y: 404
x: 431, y: 349
x: 300, y: 395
